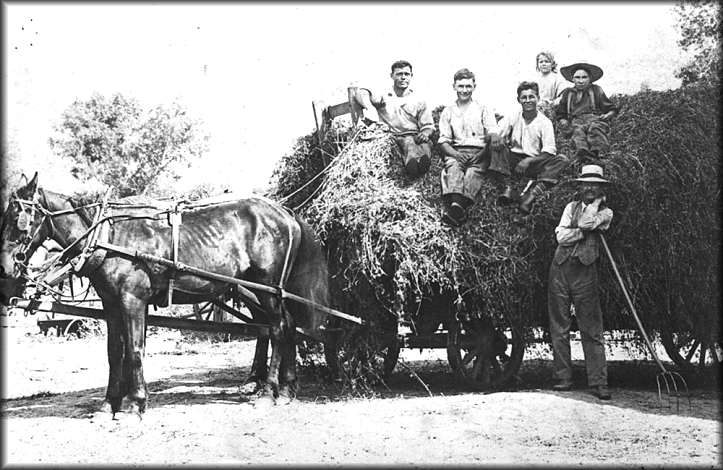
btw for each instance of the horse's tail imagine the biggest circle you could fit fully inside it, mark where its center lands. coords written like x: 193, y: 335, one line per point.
x: 309, y: 278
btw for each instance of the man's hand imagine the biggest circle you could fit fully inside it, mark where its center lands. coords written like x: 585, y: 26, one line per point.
x: 524, y: 164
x: 421, y: 137
x: 463, y: 157
x: 496, y: 141
x: 607, y: 116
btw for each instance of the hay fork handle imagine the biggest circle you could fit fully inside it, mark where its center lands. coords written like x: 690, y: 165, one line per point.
x: 664, y: 373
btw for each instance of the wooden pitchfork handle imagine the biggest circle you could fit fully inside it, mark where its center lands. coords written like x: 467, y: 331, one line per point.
x: 630, y: 304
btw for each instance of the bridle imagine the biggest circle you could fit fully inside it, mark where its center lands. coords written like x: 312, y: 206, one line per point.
x: 26, y: 219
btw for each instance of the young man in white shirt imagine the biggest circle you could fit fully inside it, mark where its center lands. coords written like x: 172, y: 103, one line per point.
x: 408, y: 117
x: 465, y: 129
x: 527, y: 149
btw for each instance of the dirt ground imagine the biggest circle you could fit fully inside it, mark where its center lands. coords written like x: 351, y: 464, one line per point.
x: 53, y: 389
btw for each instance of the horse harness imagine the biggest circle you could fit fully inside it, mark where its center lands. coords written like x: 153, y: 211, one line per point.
x: 96, y: 245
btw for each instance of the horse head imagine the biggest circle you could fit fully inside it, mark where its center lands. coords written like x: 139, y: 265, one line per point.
x: 23, y: 231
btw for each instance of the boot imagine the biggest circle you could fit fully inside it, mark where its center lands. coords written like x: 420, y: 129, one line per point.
x: 508, y: 196
x: 535, y: 191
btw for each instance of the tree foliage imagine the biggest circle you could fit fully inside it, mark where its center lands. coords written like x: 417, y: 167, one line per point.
x: 699, y: 25
x: 123, y: 145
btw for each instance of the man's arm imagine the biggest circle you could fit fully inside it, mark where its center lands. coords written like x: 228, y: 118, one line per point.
x: 594, y: 218
x: 607, y: 107
x: 565, y: 234
x: 425, y: 122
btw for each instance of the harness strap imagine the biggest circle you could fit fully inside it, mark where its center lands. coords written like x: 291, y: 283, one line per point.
x: 175, y: 218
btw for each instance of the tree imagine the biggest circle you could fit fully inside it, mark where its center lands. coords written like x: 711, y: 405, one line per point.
x: 699, y: 25
x: 121, y: 144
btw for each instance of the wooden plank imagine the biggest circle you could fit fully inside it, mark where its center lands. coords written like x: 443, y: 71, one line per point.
x: 338, y: 110
x: 251, y: 330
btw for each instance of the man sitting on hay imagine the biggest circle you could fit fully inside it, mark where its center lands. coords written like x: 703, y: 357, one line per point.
x: 408, y: 117
x: 528, y: 149
x: 584, y: 111
x: 465, y: 128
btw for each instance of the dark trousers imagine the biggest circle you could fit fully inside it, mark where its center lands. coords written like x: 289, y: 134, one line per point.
x: 590, y: 133
x: 412, y: 150
x: 504, y: 161
x: 463, y: 179
x: 573, y: 281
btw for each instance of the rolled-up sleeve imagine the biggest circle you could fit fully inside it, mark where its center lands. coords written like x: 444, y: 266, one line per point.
x: 424, y: 116
x: 489, y: 121
x: 594, y: 219
x: 445, y: 126
x: 565, y: 234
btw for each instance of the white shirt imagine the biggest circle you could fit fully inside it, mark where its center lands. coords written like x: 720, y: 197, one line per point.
x: 468, y: 126
x: 531, y: 138
x: 590, y: 217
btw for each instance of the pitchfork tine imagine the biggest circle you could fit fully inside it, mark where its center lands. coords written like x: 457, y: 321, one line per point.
x: 664, y: 372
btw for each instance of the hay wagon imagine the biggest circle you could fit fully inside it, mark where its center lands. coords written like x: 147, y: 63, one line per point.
x: 479, y: 292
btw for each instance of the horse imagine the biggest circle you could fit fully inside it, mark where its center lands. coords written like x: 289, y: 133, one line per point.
x: 254, y: 239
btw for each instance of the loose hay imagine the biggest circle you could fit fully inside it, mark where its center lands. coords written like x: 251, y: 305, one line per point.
x: 388, y: 249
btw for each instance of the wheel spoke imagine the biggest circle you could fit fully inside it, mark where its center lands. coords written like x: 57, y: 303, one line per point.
x: 692, y: 351
x: 703, y: 351
x: 714, y: 355
x: 469, y: 356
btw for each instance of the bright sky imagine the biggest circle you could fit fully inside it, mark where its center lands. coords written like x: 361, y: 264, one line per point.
x: 251, y: 70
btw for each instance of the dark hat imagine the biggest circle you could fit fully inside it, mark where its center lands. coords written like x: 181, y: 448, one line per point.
x: 591, y: 174
x: 569, y: 70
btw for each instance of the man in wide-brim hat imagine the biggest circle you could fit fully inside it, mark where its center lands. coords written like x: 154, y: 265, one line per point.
x: 573, y: 279
x: 584, y: 111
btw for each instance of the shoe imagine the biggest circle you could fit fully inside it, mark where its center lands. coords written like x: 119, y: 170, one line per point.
x: 602, y: 392
x: 412, y: 168
x: 451, y: 221
x: 423, y: 164
x: 563, y: 386
x: 457, y: 212
x: 528, y: 199
x: 508, y: 196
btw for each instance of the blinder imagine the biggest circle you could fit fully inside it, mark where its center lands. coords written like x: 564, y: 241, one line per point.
x: 24, y: 221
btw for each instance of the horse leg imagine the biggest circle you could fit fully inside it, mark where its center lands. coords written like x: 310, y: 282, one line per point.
x: 116, y: 352
x: 287, y: 374
x: 133, y: 314
x: 272, y: 305
x: 259, y: 367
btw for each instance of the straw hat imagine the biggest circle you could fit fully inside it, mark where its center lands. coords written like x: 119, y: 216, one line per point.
x: 594, y: 71
x: 591, y: 174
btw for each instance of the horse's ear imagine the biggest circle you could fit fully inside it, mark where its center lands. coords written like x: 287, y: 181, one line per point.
x: 29, y: 189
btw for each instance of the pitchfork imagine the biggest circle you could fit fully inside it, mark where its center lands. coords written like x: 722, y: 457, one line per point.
x: 665, y: 376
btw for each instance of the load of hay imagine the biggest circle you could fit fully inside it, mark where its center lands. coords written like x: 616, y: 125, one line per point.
x: 388, y: 248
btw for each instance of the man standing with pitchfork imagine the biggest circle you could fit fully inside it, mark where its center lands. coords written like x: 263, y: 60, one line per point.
x: 574, y: 277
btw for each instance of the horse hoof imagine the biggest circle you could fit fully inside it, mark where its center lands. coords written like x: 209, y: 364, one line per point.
x: 249, y: 388
x: 284, y: 399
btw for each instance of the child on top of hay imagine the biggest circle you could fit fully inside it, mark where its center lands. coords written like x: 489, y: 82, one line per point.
x: 408, y: 117
x: 465, y: 129
x: 530, y: 150
x: 551, y: 84
x: 587, y: 109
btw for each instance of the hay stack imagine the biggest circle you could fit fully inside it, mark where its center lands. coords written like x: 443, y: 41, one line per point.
x: 388, y: 248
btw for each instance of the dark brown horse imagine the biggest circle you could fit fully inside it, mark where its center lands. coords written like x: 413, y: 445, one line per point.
x: 253, y: 239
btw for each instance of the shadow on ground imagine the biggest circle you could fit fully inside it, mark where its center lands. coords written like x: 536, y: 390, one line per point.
x: 633, y: 385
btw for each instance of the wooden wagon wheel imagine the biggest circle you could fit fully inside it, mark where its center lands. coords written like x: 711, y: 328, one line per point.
x: 692, y: 353
x: 484, y: 357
